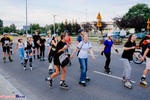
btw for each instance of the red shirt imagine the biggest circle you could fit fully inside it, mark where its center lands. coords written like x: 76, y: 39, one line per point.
x: 68, y: 40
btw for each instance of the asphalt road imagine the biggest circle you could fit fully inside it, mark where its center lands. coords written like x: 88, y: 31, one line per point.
x: 101, y: 87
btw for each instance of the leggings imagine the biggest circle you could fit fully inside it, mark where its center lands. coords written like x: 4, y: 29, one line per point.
x: 107, y: 55
x: 42, y: 51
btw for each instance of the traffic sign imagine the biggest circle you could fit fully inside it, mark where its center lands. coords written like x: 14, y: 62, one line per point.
x: 99, y: 24
x: 99, y: 16
x: 148, y: 27
x: 148, y: 21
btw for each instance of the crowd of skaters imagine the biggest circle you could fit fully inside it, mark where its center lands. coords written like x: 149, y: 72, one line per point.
x: 59, y: 54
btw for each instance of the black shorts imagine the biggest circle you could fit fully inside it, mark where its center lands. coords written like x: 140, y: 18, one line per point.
x: 56, y: 60
x: 36, y: 45
x: 6, y: 48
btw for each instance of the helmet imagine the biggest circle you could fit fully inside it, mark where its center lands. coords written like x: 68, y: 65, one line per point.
x: 80, y: 30
x: 54, y: 35
x: 19, y: 38
x: 110, y: 34
x: 66, y: 31
x: 29, y: 36
x: 4, y: 33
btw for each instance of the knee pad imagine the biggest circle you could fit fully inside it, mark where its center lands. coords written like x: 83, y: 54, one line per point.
x: 30, y: 59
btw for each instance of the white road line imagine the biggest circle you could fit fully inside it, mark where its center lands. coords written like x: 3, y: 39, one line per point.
x: 94, y: 55
x: 110, y: 76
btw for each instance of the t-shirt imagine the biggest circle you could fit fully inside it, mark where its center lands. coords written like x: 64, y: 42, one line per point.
x: 79, y: 38
x: 48, y: 40
x: 5, y: 41
x: 60, y: 45
x: 20, y: 45
x: 148, y: 55
x: 128, y: 54
x: 42, y: 41
x: 10, y: 38
x: 108, y: 45
x: 36, y: 38
x: 68, y: 40
x: 84, y: 47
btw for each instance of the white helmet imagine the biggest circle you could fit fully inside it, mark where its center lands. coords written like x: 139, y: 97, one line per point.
x: 110, y: 34
x: 29, y: 36
x: 54, y: 35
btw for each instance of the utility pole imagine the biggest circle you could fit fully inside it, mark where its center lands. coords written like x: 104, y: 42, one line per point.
x: 26, y: 18
x: 54, y: 23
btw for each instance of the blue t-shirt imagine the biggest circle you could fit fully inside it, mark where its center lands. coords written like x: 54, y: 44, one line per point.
x: 79, y: 38
x: 108, y: 45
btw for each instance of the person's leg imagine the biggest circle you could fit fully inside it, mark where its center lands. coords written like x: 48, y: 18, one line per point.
x: 83, y: 69
x: 107, y: 55
x: 63, y: 73
x: 20, y: 54
x: 8, y: 51
x: 41, y: 52
x: 30, y: 60
x: 147, y: 69
x: 4, y: 58
x: 38, y: 52
x: 44, y: 52
x: 51, y: 66
x: 127, y: 68
x: 56, y: 73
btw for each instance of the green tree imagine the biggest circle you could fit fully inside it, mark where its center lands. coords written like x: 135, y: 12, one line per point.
x: 138, y: 10
x: 13, y: 28
x: 1, y: 26
x: 6, y: 29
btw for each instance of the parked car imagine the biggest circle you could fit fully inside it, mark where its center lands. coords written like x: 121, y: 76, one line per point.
x: 141, y: 35
x: 24, y: 35
x: 13, y: 34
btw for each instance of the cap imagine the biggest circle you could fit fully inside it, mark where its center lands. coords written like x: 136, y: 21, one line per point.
x: 80, y: 30
x: 66, y: 31
x: 110, y: 34
x: 4, y: 33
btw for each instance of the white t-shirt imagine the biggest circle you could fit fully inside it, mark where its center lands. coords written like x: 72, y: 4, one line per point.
x: 48, y: 40
x: 84, y: 49
x: 20, y: 45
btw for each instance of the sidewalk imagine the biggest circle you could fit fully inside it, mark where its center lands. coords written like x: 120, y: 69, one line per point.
x: 7, y: 90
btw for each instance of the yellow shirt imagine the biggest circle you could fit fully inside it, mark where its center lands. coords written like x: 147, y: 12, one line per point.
x: 10, y: 38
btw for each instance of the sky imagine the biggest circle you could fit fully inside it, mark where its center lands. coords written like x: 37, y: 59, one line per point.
x: 42, y: 11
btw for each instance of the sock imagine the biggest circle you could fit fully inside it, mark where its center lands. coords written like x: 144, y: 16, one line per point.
x: 61, y: 81
x: 48, y: 78
x: 144, y: 76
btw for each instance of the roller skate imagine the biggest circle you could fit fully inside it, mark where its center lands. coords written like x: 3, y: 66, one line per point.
x: 107, y: 70
x: 24, y: 68
x: 63, y: 85
x: 49, y: 82
x: 83, y: 83
x: 128, y: 84
x: 87, y: 79
x: 4, y: 59
x: 10, y: 59
x: 50, y: 71
x: 143, y: 82
x: 124, y: 79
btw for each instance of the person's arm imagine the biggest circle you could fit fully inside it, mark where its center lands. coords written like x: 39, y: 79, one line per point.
x: 115, y: 48
x: 55, y: 44
x: 128, y: 48
x: 65, y: 47
x: 145, y: 53
x: 71, y: 42
x: 77, y: 42
x: 91, y: 51
x: 38, y: 42
x: 103, y: 49
x: 16, y: 48
x: 73, y: 53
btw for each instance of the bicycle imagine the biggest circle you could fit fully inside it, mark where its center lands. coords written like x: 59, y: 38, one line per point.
x: 139, y: 53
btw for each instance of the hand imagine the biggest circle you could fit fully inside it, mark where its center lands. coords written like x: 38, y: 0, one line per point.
x: 133, y: 47
x: 71, y: 57
x: 142, y: 59
x: 102, y: 53
x: 117, y: 50
x: 40, y: 44
x: 14, y: 52
x: 94, y: 58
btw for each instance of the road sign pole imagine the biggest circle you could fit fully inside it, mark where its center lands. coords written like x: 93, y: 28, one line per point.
x: 54, y: 24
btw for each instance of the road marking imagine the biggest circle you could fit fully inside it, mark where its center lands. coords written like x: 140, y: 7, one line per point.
x: 119, y: 78
x: 94, y: 55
